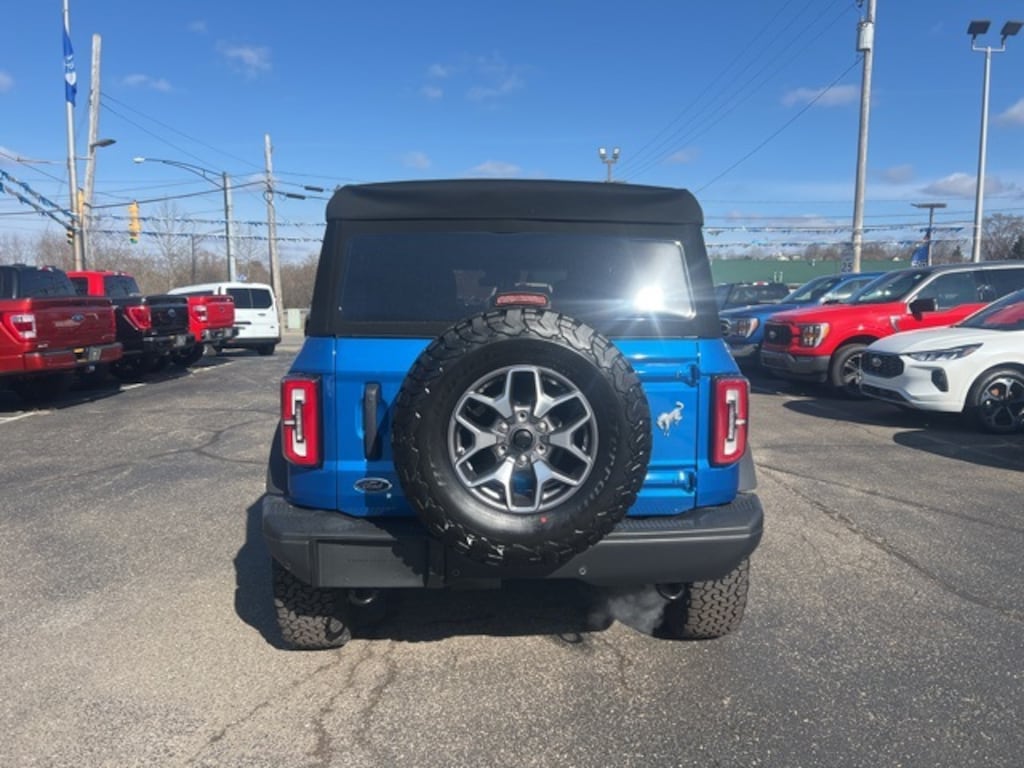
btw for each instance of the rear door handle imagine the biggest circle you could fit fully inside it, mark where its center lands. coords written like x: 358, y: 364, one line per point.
x: 371, y: 431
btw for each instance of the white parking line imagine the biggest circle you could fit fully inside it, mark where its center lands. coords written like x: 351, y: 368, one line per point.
x: 5, y: 419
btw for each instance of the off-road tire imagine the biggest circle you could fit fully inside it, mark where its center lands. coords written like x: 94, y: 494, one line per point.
x: 843, y: 370
x: 708, y: 609
x: 996, y: 400
x: 309, y: 618
x: 448, y: 369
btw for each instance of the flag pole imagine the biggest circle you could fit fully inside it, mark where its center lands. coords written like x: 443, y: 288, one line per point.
x: 70, y: 88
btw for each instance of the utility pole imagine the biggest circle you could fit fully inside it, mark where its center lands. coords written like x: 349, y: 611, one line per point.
x: 228, y: 215
x: 268, y: 194
x: 866, y: 45
x: 90, y: 161
x: 70, y: 89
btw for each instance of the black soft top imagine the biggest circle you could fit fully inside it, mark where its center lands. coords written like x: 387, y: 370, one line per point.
x: 508, y: 199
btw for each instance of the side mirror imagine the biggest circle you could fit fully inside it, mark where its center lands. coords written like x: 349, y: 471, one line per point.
x: 919, y: 306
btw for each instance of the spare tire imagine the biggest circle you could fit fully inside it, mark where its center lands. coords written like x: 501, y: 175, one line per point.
x: 521, y: 437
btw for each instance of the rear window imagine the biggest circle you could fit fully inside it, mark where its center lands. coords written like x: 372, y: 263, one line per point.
x: 44, y: 282
x: 251, y: 298
x: 445, y: 276
x: 120, y: 286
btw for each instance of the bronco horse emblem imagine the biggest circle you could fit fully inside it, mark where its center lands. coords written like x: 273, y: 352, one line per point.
x: 669, y: 418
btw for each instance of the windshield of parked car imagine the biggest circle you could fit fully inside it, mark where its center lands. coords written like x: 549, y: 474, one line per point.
x: 1007, y: 314
x: 812, y: 290
x: 892, y: 287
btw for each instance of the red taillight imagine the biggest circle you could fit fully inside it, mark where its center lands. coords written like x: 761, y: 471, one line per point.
x: 200, y: 312
x: 300, y: 420
x: 140, y: 317
x: 22, y: 325
x: 731, y: 412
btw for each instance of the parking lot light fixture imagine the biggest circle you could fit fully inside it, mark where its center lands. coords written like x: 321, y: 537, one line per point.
x: 975, y: 29
x: 224, y: 184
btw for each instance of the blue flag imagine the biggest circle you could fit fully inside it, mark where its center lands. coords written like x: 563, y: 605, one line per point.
x: 70, y: 78
x: 919, y: 258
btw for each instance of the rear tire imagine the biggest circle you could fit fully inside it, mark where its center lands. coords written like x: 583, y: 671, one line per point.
x: 309, y: 618
x: 189, y: 357
x: 708, y: 609
x: 266, y: 349
x: 996, y: 401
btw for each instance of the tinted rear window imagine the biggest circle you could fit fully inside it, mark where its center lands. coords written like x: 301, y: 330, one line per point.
x: 431, y: 277
x: 120, y: 285
x: 44, y: 282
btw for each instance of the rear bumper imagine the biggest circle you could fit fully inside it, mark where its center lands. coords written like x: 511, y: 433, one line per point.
x: 331, y: 549
x: 218, y: 335
x: 70, y: 359
x: 163, y: 345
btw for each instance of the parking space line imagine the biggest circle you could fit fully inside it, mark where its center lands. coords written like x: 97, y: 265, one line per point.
x: 25, y: 415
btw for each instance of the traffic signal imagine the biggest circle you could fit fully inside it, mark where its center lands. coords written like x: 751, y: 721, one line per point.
x: 134, y: 227
x: 70, y: 232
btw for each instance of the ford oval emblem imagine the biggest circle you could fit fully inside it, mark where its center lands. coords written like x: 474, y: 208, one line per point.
x: 77, y: 318
x: 171, y: 313
x: 373, y: 485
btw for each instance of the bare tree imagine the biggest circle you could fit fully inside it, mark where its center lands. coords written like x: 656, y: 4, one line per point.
x: 1001, y: 233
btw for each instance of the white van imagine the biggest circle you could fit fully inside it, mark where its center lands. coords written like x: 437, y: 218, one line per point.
x: 256, y: 314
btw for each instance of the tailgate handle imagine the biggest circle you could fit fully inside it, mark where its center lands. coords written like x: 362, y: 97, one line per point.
x: 371, y: 434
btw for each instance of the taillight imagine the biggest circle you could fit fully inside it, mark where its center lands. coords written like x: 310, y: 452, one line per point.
x: 140, y: 317
x: 200, y: 312
x: 729, y: 422
x: 22, y: 325
x: 300, y: 420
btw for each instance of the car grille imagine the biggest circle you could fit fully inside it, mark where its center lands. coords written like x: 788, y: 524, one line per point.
x: 777, y: 334
x: 884, y: 394
x: 883, y: 366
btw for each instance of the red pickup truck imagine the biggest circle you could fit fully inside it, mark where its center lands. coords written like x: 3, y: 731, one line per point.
x: 211, y: 320
x: 47, y: 333
x: 824, y: 344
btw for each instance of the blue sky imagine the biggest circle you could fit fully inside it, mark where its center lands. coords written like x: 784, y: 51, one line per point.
x: 716, y: 97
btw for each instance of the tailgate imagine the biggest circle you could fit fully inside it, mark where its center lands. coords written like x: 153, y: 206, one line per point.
x: 668, y: 370
x: 68, y: 323
x: 220, y: 311
x: 169, y: 314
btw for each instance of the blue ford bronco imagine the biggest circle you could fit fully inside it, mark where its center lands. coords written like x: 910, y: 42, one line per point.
x: 508, y: 379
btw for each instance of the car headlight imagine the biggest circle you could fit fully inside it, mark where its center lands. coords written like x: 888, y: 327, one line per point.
x: 953, y: 353
x: 743, y: 326
x: 812, y: 334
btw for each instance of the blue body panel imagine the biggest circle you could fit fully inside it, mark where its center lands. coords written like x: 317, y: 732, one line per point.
x: 676, y: 375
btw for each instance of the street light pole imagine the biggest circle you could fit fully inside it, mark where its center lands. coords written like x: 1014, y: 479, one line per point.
x: 866, y: 45
x: 975, y: 28
x: 931, y: 218
x: 224, y: 184
x: 608, y: 160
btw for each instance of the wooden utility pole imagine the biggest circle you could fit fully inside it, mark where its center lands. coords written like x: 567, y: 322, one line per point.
x: 275, y: 266
x: 866, y: 45
x: 90, y: 161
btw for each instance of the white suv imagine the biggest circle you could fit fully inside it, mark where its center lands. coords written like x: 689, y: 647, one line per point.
x: 975, y: 366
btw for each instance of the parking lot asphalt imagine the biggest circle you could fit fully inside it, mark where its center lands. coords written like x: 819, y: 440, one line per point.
x: 883, y: 629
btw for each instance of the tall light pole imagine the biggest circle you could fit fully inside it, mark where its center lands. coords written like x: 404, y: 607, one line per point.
x: 931, y: 219
x: 975, y: 28
x: 866, y: 45
x: 224, y: 184
x: 608, y: 160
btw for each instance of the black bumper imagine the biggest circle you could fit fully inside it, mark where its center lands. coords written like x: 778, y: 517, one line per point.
x: 804, y: 367
x: 330, y: 549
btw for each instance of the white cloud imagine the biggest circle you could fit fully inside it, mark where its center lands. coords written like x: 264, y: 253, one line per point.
x: 1013, y: 116
x: 496, y: 168
x: 198, y: 26
x: 431, y: 92
x: 145, y: 81
x: 506, y: 84
x: 964, y: 184
x: 899, y: 174
x: 251, y: 59
x: 417, y: 160
x: 6, y: 82
x: 687, y: 155
x: 836, y: 96
x: 440, y: 71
